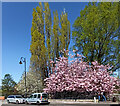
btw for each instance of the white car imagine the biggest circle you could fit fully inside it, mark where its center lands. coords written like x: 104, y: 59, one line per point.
x: 37, y: 98
x: 15, y: 99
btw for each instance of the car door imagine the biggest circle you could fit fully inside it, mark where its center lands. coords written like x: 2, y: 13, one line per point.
x: 12, y: 99
x: 44, y: 97
x: 39, y: 97
x: 30, y: 99
x: 35, y: 98
x: 9, y: 98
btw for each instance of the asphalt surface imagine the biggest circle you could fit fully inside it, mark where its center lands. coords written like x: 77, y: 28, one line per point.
x: 62, y: 105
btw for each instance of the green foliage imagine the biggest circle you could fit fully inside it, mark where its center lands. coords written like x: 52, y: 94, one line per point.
x: 8, y: 85
x: 97, y: 33
x: 46, y: 42
x: 37, y: 47
x: 65, y: 32
x: 55, y: 37
x: 48, y: 23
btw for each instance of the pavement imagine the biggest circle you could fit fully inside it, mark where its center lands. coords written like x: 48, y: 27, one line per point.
x: 67, y: 103
x: 79, y: 101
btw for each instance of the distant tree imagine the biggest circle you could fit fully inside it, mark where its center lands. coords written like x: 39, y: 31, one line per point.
x: 97, y: 33
x: 8, y: 85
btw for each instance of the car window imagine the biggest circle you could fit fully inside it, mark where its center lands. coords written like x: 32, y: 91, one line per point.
x: 18, y: 96
x: 35, y: 96
x: 31, y: 96
x: 12, y: 97
x: 44, y: 95
x: 9, y: 96
x: 39, y: 96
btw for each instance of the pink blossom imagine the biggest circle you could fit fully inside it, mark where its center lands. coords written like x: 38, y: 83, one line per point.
x: 80, y: 76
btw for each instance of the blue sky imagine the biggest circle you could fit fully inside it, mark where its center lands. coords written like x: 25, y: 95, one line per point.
x: 16, y: 31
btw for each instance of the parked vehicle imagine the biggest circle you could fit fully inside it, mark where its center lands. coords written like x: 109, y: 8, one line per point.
x: 15, y: 99
x: 37, y: 98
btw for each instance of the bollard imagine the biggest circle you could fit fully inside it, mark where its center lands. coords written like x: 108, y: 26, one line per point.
x: 94, y: 99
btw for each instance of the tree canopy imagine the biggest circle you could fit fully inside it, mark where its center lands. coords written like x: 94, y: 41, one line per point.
x: 33, y: 84
x: 97, y: 33
x: 8, y: 85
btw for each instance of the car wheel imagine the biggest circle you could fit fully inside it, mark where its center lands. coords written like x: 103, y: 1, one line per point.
x: 26, y: 102
x: 17, y: 102
x: 38, y: 102
x: 48, y: 103
x: 8, y: 101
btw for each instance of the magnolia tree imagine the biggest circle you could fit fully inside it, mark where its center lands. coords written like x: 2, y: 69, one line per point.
x: 78, y: 76
x: 34, y: 83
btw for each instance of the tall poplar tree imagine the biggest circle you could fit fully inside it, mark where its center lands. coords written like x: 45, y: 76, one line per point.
x: 48, y: 23
x: 37, y: 47
x: 65, y: 31
x: 55, y: 36
x: 43, y: 47
x: 46, y: 42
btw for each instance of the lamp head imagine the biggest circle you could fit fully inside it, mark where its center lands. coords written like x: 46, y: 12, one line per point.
x: 20, y: 62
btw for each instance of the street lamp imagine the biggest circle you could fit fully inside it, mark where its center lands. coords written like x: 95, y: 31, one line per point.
x: 22, y: 59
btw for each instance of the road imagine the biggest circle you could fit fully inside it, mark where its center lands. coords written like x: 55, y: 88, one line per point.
x: 63, y: 105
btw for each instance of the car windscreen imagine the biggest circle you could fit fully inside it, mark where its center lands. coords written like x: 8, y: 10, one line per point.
x: 31, y: 96
x: 19, y: 97
x: 44, y: 95
x: 10, y: 96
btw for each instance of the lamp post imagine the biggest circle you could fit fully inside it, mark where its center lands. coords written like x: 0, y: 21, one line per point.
x: 22, y: 59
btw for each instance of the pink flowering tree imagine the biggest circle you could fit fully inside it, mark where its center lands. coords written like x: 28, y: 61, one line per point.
x: 79, y: 77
